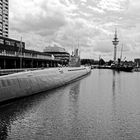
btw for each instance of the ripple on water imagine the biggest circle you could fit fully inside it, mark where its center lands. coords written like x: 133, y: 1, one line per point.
x: 103, y: 106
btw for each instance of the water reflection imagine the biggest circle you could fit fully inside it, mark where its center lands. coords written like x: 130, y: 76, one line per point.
x: 114, y: 83
x: 16, y: 110
x: 120, y: 125
x: 103, y: 106
x: 74, y: 92
x: 74, y: 108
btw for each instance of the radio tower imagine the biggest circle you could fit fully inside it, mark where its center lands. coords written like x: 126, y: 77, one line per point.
x: 115, y: 43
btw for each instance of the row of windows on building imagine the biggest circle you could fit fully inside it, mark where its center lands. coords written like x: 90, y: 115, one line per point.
x: 12, y: 43
x: 2, y: 26
x: 4, y: 33
x: 5, y: 30
x: 61, y: 55
x: 3, y: 1
x: 4, y: 19
x: 4, y: 6
x: 24, y: 54
x: 3, y: 13
x: 4, y: 22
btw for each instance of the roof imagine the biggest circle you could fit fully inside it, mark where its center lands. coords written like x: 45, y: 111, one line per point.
x: 55, y: 49
x: 13, y: 48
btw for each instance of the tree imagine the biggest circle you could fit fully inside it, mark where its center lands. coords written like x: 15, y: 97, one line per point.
x: 101, y: 62
x: 110, y: 62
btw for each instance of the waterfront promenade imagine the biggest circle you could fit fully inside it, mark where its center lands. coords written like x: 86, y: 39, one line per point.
x: 102, y: 106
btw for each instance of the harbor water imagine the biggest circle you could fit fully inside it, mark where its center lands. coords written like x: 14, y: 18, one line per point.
x: 104, y: 105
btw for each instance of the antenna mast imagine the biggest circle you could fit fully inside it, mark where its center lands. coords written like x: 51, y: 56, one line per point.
x: 121, y: 52
x: 115, y: 43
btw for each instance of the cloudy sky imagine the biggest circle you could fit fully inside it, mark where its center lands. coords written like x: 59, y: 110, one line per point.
x: 67, y: 23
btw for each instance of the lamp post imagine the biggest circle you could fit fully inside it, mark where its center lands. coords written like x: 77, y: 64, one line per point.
x: 115, y: 43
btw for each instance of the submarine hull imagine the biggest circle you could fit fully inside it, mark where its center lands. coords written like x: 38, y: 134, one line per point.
x: 27, y: 83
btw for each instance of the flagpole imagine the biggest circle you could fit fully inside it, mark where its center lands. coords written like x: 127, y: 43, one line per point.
x: 21, y: 53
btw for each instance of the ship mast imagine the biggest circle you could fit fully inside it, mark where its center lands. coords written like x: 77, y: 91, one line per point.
x: 121, y: 52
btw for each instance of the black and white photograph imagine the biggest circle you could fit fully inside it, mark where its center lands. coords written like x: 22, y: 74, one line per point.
x: 69, y: 69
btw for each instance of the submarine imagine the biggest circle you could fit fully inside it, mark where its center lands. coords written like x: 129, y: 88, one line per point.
x: 27, y: 83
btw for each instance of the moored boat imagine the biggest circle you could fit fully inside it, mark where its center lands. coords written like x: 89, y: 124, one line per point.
x: 122, y: 67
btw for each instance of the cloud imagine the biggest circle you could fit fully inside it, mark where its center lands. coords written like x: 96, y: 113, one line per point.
x: 113, y: 5
x: 69, y: 23
x: 96, y: 9
x: 43, y: 18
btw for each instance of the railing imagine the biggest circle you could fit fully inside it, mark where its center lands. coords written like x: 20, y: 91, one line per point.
x: 10, y: 71
x: 24, y: 55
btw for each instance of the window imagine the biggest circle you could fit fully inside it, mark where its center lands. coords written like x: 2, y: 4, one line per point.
x: 17, y: 44
x: 1, y: 41
x: 7, y: 42
x: 12, y: 43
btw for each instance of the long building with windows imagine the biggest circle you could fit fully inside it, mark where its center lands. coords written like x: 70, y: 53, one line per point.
x: 14, y: 55
x: 4, y: 18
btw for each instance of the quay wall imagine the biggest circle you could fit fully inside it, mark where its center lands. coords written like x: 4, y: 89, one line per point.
x: 32, y: 82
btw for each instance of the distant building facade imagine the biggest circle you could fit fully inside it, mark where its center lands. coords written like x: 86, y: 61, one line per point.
x: 137, y: 62
x: 4, y: 18
x: 75, y: 59
x: 13, y: 55
x: 58, y: 53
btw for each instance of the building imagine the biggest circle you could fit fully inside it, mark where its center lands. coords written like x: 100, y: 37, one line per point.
x: 4, y: 18
x: 75, y: 59
x: 13, y: 55
x: 59, y: 53
x: 137, y: 62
